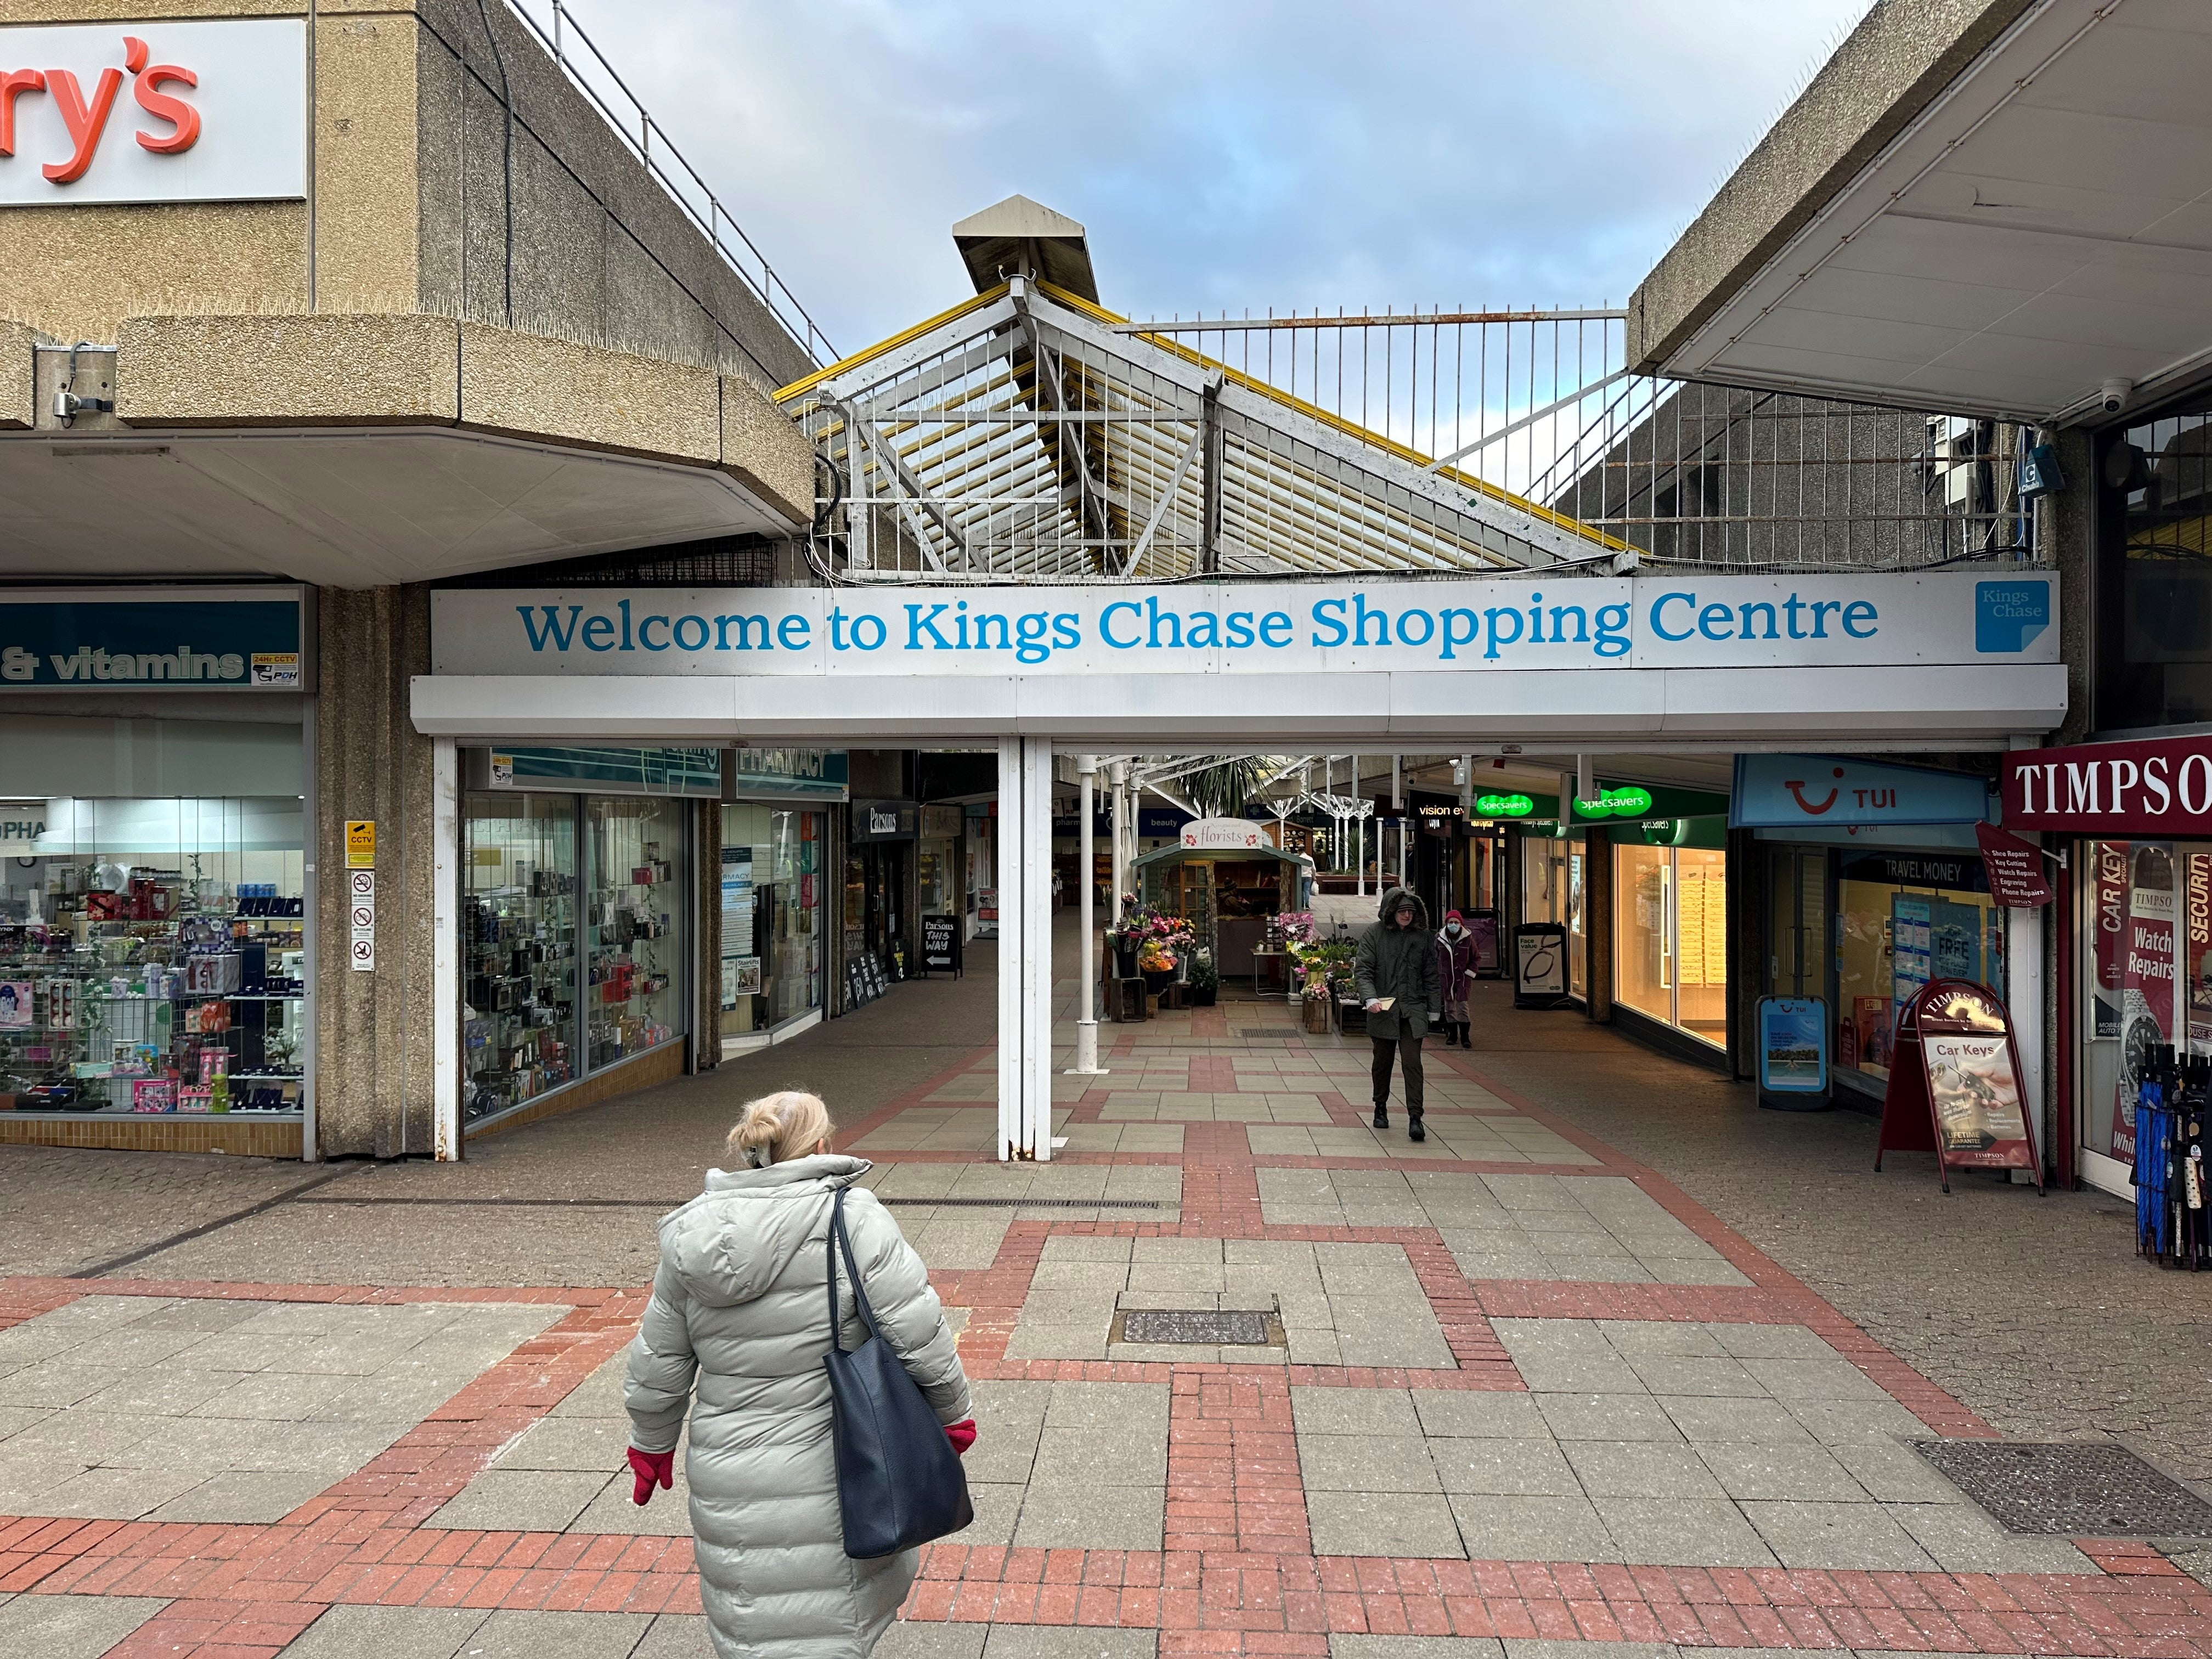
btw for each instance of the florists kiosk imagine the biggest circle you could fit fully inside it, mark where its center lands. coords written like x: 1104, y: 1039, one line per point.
x: 1227, y: 879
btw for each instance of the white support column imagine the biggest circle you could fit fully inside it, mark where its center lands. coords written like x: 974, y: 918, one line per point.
x: 1024, y: 949
x: 1086, y: 983
x: 446, y: 951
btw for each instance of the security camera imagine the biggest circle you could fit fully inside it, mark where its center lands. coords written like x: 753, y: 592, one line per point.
x: 2112, y: 395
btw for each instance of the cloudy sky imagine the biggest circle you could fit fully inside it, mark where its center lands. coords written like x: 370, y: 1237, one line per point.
x: 1220, y: 152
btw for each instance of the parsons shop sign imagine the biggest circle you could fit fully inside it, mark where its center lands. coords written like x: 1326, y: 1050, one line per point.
x: 1675, y: 621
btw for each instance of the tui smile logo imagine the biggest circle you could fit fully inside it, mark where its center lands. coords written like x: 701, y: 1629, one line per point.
x: 1796, y: 788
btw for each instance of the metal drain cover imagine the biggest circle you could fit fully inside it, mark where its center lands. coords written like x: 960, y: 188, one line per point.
x: 1202, y: 1326
x: 2081, y: 1489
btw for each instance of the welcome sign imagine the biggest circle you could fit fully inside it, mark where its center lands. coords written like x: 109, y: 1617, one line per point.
x: 1670, y: 621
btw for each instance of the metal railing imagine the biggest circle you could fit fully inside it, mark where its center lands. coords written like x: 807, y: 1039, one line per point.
x: 1539, y: 402
x: 649, y: 142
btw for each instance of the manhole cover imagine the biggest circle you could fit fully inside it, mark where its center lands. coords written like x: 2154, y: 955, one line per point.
x: 1266, y: 1033
x: 1203, y: 1326
x: 2076, y: 1491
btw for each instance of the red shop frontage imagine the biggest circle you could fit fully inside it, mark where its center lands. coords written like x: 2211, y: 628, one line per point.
x: 2134, y: 951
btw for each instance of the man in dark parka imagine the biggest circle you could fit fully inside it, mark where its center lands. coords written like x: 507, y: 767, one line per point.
x: 1397, y: 964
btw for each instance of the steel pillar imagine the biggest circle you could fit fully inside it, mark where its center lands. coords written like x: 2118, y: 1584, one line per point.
x: 1086, y: 981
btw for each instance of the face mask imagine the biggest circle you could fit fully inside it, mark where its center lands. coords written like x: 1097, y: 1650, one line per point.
x: 1452, y: 927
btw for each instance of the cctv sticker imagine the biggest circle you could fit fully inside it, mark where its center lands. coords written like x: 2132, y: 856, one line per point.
x: 280, y: 668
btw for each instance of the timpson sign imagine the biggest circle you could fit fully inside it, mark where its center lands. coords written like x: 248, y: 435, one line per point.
x: 154, y: 111
x: 2151, y: 789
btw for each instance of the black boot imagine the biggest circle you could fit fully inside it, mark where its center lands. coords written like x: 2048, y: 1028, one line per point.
x: 1466, y: 1035
x: 1414, y: 1129
x: 1382, y: 1114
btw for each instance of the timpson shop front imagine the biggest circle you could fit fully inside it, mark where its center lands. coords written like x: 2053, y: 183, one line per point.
x: 2133, y: 822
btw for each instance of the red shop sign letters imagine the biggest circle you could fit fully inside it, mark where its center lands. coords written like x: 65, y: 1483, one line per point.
x: 86, y: 117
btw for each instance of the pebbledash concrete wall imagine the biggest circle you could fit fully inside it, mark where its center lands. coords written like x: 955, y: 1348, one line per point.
x: 1887, y: 70
x: 579, y: 307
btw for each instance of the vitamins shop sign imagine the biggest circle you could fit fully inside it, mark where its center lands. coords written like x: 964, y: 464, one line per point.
x: 2154, y: 789
x: 211, y: 110
x: 1668, y: 622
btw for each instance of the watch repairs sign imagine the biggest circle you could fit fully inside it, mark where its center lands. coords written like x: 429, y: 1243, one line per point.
x: 239, y: 639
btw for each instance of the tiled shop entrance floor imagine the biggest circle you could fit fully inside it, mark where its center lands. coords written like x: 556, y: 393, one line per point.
x: 120, y: 1406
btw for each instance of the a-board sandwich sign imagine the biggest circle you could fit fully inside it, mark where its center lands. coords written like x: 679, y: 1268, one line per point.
x: 1956, y: 1086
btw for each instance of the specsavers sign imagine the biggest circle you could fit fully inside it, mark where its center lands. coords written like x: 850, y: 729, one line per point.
x: 1672, y: 622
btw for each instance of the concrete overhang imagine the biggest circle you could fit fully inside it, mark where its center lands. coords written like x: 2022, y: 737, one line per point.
x: 356, y: 451
x: 1018, y: 237
x: 1986, y: 206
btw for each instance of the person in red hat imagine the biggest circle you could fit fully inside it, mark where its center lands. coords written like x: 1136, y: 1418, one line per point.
x: 1455, y: 968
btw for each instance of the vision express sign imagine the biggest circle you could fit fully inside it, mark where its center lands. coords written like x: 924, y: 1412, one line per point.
x: 1668, y: 622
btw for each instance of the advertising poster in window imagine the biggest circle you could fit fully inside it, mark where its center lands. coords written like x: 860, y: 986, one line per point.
x: 1910, y: 919
x: 2196, y: 956
x: 2109, y: 887
x: 2147, y: 985
x: 737, y: 924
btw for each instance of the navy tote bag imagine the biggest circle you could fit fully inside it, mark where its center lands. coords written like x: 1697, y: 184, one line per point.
x: 899, y: 1481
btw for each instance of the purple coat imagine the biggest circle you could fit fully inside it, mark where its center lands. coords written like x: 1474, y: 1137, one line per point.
x: 1454, y: 960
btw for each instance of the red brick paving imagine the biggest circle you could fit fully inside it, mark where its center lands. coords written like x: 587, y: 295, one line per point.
x: 1238, y: 1575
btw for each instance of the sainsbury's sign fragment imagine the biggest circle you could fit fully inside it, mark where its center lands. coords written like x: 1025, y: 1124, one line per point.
x: 171, y: 112
x: 1672, y: 621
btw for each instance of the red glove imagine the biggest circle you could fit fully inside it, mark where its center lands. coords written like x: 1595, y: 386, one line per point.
x: 962, y: 1435
x: 652, y: 1467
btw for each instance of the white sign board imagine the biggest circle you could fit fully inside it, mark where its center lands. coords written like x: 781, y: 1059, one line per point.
x: 154, y: 111
x: 1677, y: 620
x: 1223, y: 834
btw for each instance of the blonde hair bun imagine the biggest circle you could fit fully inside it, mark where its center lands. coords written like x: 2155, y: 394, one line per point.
x: 778, y: 1127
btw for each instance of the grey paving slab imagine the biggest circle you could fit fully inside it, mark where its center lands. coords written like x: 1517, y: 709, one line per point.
x: 1354, y: 1411
x: 667, y: 1514
x: 71, y: 1626
x: 1506, y: 1528
x: 1068, y: 1642
x: 1414, y: 1647
x: 599, y: 1444
x: 1370, y: 1524
x: 1762, y: 1422
x: 1855, y: 1536
x: 512, y: 1633
x: 519, y: 1500
x: 243, y: 1495
x: 374, y: 1633
x: 917, y: 1638
x: 1478, y: 1413
x: 1133, y: 1408
x: 1641, y: 1468
x: 1117, y: 1456
x: 1606, y: 1417
x: 683, y: 1636
x: 1962, y: 1538
x: 1524, y: 1468
x: 1092, y: 1517
x: 1748, y: 1469
x: 1366, y: 1462
x: 1681, y: 1531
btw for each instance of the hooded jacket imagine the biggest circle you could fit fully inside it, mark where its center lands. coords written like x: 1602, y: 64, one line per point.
x: 737, y: 1331
x: 1454, y: 960
x: 1399, y: 962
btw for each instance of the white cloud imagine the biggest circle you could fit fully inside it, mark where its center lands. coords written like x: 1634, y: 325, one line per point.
x: 1221, y: 153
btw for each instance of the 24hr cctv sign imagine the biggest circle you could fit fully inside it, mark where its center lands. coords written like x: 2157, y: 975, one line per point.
x: 154, y: 111
x: 1664, y: 621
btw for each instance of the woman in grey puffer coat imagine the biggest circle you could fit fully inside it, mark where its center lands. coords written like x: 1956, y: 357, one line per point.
x: 738, y: 1304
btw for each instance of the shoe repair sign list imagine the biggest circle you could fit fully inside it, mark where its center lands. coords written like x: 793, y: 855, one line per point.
x: 1670, y: 621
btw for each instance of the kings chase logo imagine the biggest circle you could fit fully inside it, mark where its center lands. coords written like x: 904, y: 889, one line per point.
x: 2009, y: 615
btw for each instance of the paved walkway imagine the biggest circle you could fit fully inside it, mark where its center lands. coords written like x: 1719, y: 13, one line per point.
x: 1251, y: 1378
